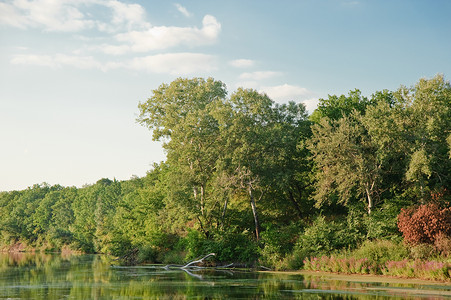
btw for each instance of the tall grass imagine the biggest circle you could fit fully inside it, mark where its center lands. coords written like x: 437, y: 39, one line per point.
x: 382, y: 258
x: 431, y: 270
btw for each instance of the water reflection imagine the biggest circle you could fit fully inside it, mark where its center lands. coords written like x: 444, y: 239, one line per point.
x: 44, y: 276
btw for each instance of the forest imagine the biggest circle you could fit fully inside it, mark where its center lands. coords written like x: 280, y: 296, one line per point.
x: 361, y: 185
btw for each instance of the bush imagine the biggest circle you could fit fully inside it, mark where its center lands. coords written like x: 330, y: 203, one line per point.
x: 147, y: 254
x: 324, y: 236
x: 431, y: 270
x: 382, y: 223
x: 277, y: 243
x: 422, y: 251
x: 442, y: 244
x: 340, y: 265
x: 228, y: 246
x: 381, y: 251
x: 424, y: 223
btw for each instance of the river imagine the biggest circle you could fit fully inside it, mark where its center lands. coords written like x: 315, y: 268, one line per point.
x: 46, y: 276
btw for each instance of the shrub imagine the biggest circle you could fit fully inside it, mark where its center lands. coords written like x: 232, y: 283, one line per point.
x: 323, y: 236
x: 340, y: 265
x: 424, y: 223
x: 147, y: 254
x: 228, y: 246
x: 277, y: 243
x: 422, y: 251
x: 442, y: 244
x: 381, y: 251
x: 419, y: 269
x: 381, y: 224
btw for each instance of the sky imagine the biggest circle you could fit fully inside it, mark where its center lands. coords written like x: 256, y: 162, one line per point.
x: 72, y: 73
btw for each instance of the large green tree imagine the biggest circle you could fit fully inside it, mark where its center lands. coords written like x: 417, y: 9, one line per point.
x: 180, y: 115
x: 260, y: 139
x: 347, y: 161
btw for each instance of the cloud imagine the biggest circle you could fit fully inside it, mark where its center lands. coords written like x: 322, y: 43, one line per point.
x: 242, y: 63
x: 311, y: 104
x: 123, y: 30
x: 169, y: 63
x: 163, y: 37
x: 57, y: 61
x: 183, y: 10
x: 69, y: 16
x: 128, y: 15
x: 259, y: 75
x: 47, y: 14
x: 175, y: 63
x: 286, y: 92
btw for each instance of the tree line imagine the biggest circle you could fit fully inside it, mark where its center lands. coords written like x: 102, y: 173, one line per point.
x: 253, y: 180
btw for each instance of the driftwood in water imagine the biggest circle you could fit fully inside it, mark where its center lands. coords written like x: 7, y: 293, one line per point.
x: 191, y: 264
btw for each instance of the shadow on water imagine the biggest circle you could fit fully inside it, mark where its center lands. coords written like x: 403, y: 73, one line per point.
x: 45, y: 276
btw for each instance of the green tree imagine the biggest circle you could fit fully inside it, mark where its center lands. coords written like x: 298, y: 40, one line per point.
x: 429, y: 166
x: 180, y: 114
x: 347, y: 161
x: 261, y: 153
x: 335, y: 107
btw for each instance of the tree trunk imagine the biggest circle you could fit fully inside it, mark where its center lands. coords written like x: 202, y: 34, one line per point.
x: 370, y: 201
x: 202, y: 195
x: 224, y: 210
x: 254, y: 212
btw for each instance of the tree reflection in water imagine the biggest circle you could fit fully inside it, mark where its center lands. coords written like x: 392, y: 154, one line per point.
x: 47, y: 276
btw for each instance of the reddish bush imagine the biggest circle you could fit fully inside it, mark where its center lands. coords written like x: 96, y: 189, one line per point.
x: 424, y: 223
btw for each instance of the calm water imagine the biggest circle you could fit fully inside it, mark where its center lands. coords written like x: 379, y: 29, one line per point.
x: 43, y: 276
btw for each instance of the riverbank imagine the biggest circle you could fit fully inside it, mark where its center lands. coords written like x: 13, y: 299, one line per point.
x: 362, y: 278
x: 20, y: 247
x: 405, y: 268
x: 375, y: 283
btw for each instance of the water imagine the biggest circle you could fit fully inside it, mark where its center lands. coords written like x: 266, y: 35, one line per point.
x: 44, y: 276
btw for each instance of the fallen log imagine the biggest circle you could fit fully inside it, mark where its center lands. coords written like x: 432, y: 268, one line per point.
x: 189, y: 265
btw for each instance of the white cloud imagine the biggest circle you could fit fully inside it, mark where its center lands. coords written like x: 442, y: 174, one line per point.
x: 128, y: 15
x: 259, y: 75
x: 9, y: 15
x: 169, y: 63
x: 51, y: 15
x: 242, y: 63
x: 183, y: 10
x: 311, y: 104
x: 175, y: 63
x: 69, y: 16
x: 163, y: 37
x: 286, y: 92
x: 57, y: 61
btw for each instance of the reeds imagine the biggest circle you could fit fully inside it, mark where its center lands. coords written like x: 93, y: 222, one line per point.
x: 431, y: 270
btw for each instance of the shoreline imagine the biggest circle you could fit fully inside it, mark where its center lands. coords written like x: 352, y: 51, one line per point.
x: 364, y: 277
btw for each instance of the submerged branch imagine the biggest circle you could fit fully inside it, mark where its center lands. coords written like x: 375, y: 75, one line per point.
x: 197, y: 261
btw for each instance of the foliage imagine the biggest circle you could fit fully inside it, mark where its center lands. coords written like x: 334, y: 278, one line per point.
x: 325, y: 236
x: 340, y: 265
x: 424, y: 223
x: 336, y: 107
x: 431, y: 270
x: 255, y: 181
x: 279, y: 242
x: 227, y: 246
x: 381, y: 251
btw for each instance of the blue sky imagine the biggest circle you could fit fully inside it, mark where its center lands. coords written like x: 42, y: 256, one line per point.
x: 73, y: 72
